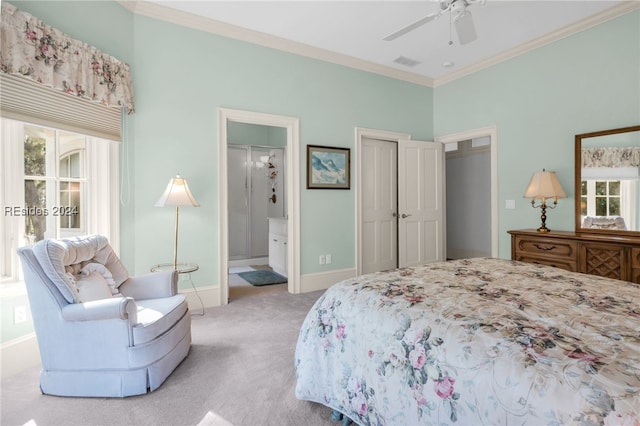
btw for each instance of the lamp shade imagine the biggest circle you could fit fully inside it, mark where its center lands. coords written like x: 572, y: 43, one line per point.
x: 177, y: 194
x: 544, y: 185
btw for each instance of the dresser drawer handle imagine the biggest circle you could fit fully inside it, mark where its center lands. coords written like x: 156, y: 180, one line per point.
x: 546, y: 248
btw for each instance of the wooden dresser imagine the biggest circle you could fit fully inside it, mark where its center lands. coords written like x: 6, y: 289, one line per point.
x: 606, y: 256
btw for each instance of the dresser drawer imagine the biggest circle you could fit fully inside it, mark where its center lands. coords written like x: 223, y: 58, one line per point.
x: 527, y: 246
x: 566, y: 264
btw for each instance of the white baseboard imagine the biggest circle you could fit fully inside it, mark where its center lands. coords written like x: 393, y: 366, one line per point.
x: 201, y: 297
x: 324, y: 280
x: 19, y: 354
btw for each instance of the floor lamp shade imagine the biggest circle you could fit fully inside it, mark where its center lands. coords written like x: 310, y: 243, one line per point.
x: 177, y: 194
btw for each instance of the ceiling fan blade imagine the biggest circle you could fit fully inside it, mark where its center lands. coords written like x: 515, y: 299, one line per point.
x: 465, y: 28
x: 411, y: 27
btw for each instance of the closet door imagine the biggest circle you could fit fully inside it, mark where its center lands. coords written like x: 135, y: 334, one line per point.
x: 420, y: 202
x: 238, y: 202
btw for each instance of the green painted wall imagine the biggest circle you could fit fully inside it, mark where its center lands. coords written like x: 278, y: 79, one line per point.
x: 586, y: 82
x: 177, y: 96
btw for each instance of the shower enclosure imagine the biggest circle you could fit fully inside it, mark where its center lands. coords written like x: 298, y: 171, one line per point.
x: 256, y: 192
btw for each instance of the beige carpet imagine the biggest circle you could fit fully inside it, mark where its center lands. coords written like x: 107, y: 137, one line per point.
x: 239, y: 372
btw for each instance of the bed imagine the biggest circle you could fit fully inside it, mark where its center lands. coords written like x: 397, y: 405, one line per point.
x: 474, y: 342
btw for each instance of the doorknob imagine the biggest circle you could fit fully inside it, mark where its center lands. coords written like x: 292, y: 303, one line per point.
x: 393, y: 214
x: 404, y: 216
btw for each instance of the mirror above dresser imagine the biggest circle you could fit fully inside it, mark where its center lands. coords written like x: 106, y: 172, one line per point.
x: 607, y: 182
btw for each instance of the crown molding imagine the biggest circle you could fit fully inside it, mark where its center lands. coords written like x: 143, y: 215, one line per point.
x: 584, y: 24
x: 185, y: 19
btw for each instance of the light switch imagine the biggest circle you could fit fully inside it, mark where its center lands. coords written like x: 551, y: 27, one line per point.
x: 510, y: 204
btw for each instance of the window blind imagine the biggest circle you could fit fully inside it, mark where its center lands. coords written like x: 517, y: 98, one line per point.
x: 25, y: 100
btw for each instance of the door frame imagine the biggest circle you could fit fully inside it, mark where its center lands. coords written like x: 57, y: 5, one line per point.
x: 292, y: 170
x: 361, y: 133
x: 492, y: 133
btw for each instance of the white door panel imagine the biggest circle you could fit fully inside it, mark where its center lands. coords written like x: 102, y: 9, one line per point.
x: 379, y: 203
x: 420, y: 202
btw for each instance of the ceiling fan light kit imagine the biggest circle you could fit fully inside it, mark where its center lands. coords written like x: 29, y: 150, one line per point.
x: 461, y: 18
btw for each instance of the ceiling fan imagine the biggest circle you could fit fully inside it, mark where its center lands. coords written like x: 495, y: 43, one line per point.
x: 460, y: 16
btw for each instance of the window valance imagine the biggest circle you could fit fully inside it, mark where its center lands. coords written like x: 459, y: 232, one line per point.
x: 611, y: 157
x: 32, y: 49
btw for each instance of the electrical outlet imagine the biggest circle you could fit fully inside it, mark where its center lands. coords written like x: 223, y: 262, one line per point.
x: 322, y: 259
x: 19, y: 314
x: 327, y: 257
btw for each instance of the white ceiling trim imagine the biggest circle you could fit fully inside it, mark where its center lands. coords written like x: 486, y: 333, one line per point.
x: 576, y: 27
x: 178, y: 17
x: 185, y: 19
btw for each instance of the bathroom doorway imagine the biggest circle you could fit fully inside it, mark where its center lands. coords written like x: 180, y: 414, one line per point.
x: 230, y: 124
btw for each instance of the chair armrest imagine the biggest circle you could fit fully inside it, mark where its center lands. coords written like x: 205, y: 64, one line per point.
x: 152, y: 285
x: 113, y: 308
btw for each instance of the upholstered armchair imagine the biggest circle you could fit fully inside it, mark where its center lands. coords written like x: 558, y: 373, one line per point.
x: 102, y: 333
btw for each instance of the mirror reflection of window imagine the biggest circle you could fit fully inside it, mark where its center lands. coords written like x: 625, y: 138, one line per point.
x: 609, y: 199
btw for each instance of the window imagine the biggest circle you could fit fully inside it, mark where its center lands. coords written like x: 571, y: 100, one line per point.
x: 69, y: 188
x: 54, y: 183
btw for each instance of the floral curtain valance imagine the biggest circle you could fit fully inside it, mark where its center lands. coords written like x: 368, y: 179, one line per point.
x: 611, y: 157
x: 35, y: 50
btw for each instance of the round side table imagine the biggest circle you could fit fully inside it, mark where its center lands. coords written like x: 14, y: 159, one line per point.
x: 181, y: 268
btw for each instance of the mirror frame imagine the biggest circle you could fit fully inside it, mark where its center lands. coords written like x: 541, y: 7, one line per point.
x: 578, y: 181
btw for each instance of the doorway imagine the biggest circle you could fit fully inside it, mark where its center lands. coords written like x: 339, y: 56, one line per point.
x: 480, y: 147
x: 228, y: 118
x: 468, y: 165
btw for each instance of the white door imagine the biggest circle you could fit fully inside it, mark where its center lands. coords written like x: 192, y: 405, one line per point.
x: 379, y: 205
x: 420, y: 202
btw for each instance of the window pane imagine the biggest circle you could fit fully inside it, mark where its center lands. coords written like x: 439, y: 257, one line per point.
x: 74, y: 165
x: 601, y: 188
x: 601, y: 206
x: 583, y: 187
x: 38, y: 146
x: 70, y: 202
x: 614, y: 187
x: 73, y: 212
x: 614, y: 206
x: 583, y: 206
x: 72, y: 147
x: 35, y: 150
x: 35, y: 197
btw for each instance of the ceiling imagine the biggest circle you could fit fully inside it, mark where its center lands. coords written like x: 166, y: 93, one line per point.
x: 354, y: 30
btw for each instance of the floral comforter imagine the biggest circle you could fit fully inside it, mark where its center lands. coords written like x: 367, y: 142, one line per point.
x: 474, y: 342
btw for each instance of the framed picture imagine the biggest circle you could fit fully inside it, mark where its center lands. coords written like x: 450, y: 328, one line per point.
x: 328, y: 167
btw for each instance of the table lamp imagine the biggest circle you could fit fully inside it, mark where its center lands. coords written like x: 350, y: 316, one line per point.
x: 544, y: 185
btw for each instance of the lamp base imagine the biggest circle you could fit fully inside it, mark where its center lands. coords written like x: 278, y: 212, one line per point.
x: 543, y: 217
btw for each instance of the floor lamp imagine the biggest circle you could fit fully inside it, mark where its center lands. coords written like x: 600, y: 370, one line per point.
x: 177, y: 194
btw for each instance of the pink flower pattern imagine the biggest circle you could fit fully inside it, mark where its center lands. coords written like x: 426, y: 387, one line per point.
x: 35, y: 50
x: 402, y: 353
